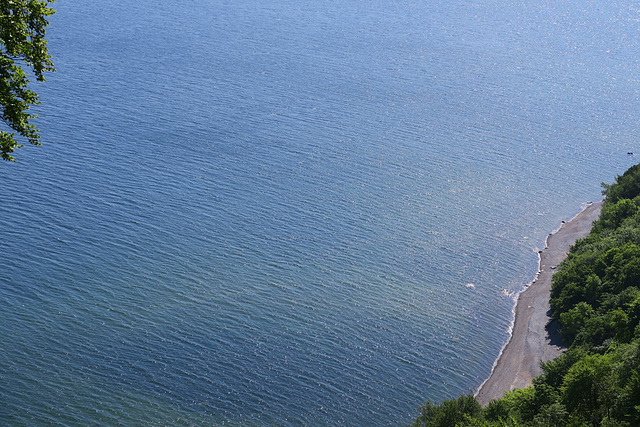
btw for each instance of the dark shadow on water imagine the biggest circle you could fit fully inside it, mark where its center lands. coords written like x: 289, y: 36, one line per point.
x: 553, y: 331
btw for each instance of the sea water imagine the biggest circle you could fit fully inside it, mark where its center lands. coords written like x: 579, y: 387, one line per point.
x: 296, y: 212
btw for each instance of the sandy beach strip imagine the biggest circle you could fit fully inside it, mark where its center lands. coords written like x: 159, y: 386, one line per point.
x: 531, y: 342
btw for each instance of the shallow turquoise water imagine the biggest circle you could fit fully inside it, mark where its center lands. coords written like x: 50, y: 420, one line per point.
x: 268, y: 213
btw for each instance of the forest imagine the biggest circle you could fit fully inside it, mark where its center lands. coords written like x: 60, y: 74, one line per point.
x: 595, y: 297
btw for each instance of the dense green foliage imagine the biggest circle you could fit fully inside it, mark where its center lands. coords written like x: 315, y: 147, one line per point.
x: 22, y: 44
x: 596, y: 299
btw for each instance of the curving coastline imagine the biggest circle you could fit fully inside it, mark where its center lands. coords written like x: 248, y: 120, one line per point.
x: 531, y: 342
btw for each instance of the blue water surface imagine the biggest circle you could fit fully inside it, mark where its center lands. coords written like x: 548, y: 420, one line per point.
x: 269, y: 212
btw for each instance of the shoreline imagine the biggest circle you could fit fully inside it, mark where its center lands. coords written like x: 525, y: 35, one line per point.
x: 532, y: 341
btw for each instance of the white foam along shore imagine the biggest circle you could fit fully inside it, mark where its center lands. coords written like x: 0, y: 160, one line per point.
x: 530, y: 344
